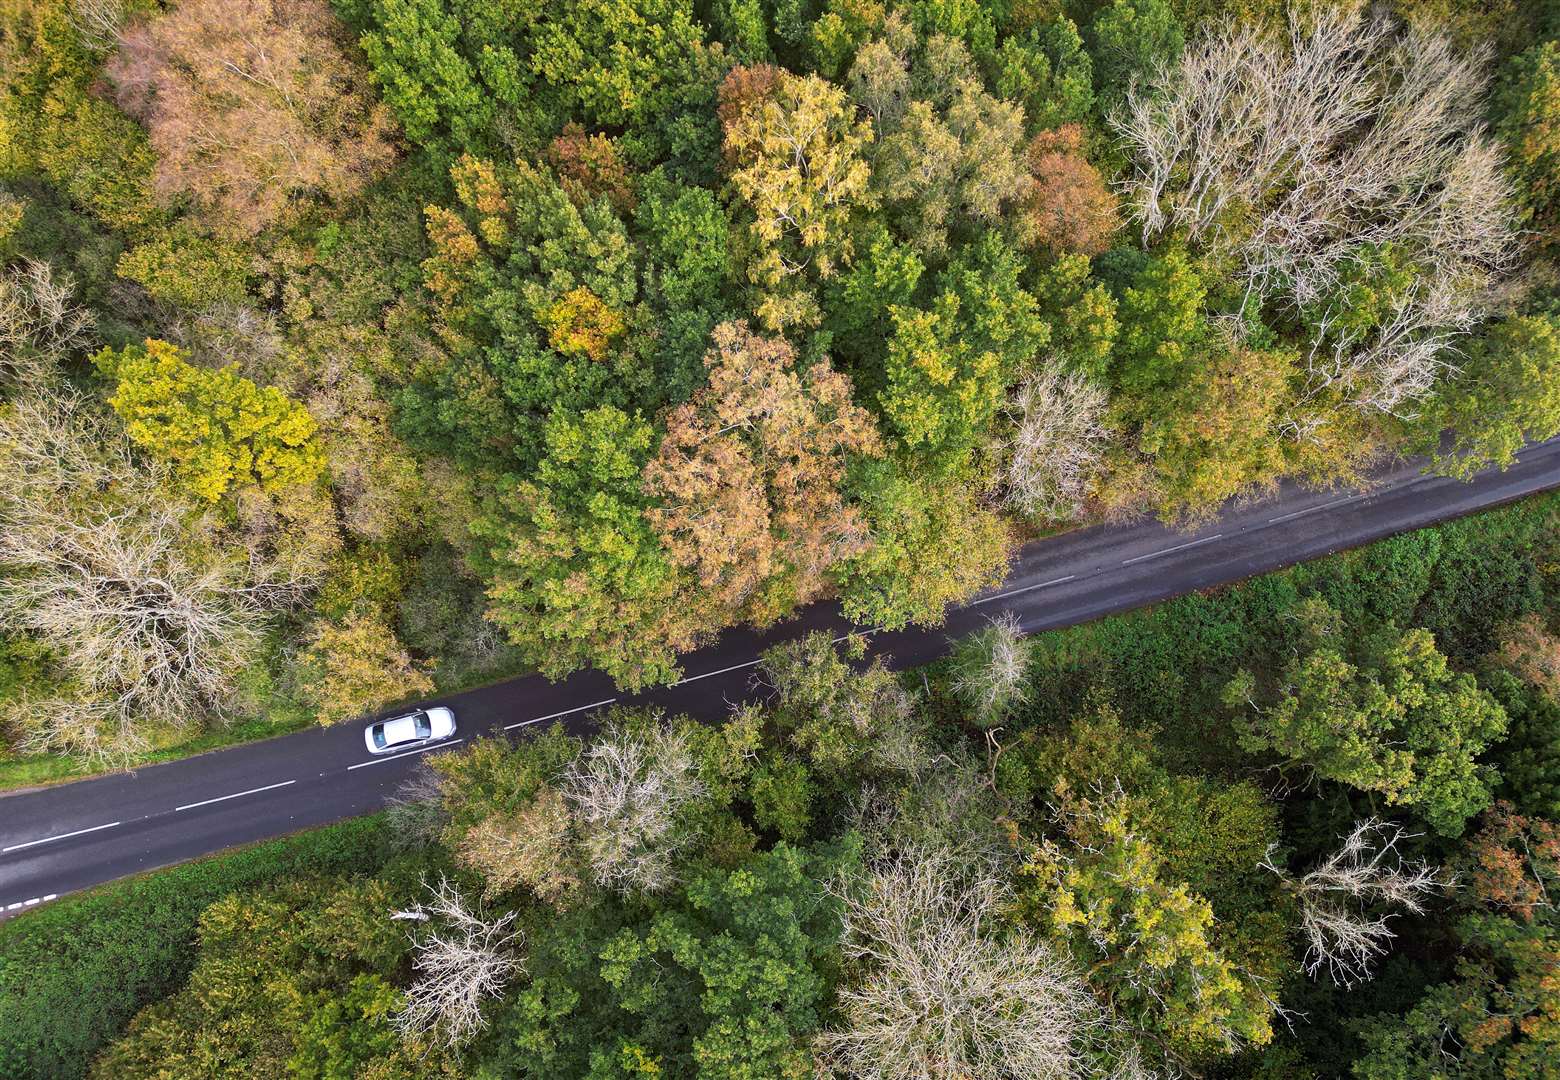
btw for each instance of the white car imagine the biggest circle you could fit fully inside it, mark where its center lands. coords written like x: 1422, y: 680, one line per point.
x: 414, y: 729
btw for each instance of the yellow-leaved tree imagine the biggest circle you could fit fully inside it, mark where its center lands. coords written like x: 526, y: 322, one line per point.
x: 215, y: 429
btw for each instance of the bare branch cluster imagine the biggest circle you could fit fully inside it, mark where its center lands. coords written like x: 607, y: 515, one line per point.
x: 947, y: 991
x: 1058, y: 444
x: 39, y: 321
x: 465, y: 958
x: 625, y: 792
x: 991, y: 670
x: 1340, y: 900
x: 97, y: 22
x: 1303, y: 156
x: 416, y: 812
x: 146, y: 617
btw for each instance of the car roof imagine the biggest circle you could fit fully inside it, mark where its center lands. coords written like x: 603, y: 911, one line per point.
x: 401, y: 728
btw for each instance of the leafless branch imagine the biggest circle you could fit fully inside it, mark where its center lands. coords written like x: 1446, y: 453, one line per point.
x: 463, y: 958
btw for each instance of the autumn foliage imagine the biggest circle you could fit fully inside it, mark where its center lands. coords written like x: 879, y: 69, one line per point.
x: 252, y: 105
x: 749, y: 475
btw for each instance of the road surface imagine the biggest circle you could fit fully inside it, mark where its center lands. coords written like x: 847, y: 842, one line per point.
x: 59, y: 839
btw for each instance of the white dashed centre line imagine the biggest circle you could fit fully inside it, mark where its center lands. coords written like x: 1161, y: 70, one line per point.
x: 61, y: 836
x: 1314, y: 509
x: 722, y: 671
x: 556, y: 715
x: 409, y: 753
x: 235, y: 795
x: 1015, y: 592
x: 1178, y: 547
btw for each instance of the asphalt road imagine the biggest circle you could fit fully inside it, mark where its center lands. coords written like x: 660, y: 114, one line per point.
x: 59, y: 839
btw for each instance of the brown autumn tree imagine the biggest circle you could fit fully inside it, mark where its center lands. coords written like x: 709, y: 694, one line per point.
x: 748, y: 477
x: 252, y: 106
x: 1067, y: 207
x: 589, y: 167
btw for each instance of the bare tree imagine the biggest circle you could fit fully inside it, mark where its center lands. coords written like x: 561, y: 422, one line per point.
x: 39, y: 321
x: 625, y: 791
x: 146, y: 615
x: 944, y: 990
x: 1299, y: 157
x: 1058, y: 443
x: 991, y: 670
x: 415, y: 812
x: 97, y: 22
x: 1341, y: 899
x: 462, y: 959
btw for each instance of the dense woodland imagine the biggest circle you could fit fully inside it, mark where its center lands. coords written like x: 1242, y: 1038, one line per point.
x: 352, y: 353
x: 1300, y: 828
x: 357, y: 350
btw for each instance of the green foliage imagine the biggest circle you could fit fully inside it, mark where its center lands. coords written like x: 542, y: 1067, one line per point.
x: 949, y: 366
x: 216, y: 429
x: 1382, y: 712
x: 725, y: 980
x: 1508, y: 396
x: 74, y: 972
x: 1162, y: 327
x: 578, y: 575
x: 501, y: 264
x: 187, y: 270
x: 422, y: 57
x: 933, y: 545
x: 1047, y: 70
x: 52, y: 123
x: 1145, y: 939
x: 610, y: 61
x: 1526, y: 107
x: 1129, y: 39
x: 268, y: 960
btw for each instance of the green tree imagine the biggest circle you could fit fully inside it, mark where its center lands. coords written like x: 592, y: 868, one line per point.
x: 1129, y: 40
x: 1526, y: 107
x: 933, y: 544
x: 268, y: 960
x: 1380, y: 710
x: 52, y: 123
x: 216, y: 429
x: 610, y: 60
x: 578, y: 575
x: 1047, y: 70
x: 1162, y: 329
x: 949, y: 366
x: 1145, y: 939
x: 1507, y: 396
x: 541, y: 302
x: 728, y: 979
x: 429, y: 79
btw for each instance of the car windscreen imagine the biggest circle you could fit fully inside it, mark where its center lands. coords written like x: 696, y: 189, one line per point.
x: 379, y: 735
x: 422, y: 726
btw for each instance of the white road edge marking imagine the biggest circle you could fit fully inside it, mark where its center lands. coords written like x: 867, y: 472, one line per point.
x: 235, y: 795
x: 1015, y: 592
x: 1314, y: 509
x: 31, y: 902
x: 61, y: 836
x: 1178, y: 547
x: 407, y: 753
x: 556, y: 715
